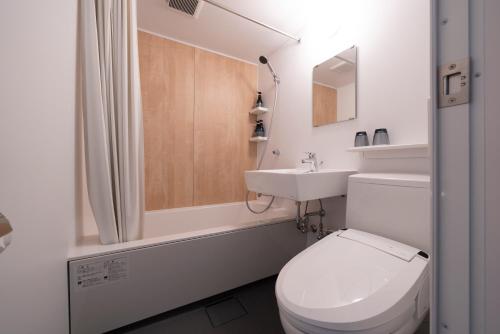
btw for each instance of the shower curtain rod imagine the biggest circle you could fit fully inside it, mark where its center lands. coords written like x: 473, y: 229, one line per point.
x: 218, y: 5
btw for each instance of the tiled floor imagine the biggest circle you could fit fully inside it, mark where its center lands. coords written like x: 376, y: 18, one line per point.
x: 250, y: 309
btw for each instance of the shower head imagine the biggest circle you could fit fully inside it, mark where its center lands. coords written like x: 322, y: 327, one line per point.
x: 263, y: 60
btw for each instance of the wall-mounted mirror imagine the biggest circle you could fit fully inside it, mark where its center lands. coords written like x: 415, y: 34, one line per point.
x: 334, y: 88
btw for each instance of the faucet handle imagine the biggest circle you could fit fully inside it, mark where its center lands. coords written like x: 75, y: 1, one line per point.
x: 310, y: 155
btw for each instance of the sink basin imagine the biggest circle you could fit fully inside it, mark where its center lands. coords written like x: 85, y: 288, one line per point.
x: 298, y: 184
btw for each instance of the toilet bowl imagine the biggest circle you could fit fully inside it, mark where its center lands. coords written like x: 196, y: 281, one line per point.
x: 358, y: 281
x: 354, y: 282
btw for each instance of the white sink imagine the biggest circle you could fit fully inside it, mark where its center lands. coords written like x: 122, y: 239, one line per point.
x: 298, y: 184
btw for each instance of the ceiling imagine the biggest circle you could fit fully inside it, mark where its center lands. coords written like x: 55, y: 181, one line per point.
x: 223, y: 32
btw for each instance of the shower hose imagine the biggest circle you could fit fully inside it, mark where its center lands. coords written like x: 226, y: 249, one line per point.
x: 264, y: 150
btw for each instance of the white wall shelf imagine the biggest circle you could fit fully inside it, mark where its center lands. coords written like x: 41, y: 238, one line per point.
x: 259, y: 110
x: 258, y: 139
x: 392, y: 151
x: 373, y: 148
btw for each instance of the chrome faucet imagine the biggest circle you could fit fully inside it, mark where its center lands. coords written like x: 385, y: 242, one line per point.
x: 312, y: 160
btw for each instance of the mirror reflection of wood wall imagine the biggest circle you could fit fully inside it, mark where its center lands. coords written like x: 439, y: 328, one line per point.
x: 324, y: 104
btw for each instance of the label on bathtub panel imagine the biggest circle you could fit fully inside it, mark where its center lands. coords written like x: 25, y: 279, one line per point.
x: 102, y: 272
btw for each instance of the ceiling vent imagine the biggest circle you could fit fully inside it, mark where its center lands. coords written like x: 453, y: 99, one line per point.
x: 188, y: 7
x: 342, y: 67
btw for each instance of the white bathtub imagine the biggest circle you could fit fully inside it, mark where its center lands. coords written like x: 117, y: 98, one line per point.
x: 186, y: 255
x: 163, y: 226
x: 209, y: 219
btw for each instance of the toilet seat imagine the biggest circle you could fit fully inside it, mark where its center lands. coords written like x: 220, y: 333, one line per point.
x: 352, y: 281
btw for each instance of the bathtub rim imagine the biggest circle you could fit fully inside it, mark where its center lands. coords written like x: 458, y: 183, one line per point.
x: 91, y: 247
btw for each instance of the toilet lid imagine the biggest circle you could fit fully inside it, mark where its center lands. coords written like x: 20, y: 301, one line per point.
x: 350, y: 280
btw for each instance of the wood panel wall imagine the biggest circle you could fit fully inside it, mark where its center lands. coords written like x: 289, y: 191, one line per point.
x: 196, y: 124
x: 167, y: 85
x: 324, y: 105
x: 225, y: 91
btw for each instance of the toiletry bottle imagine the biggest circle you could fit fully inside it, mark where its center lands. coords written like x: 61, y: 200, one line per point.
x: 259, y: 102
x: 259, y: 129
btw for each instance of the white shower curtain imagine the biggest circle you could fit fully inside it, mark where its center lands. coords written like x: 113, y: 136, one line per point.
x: 112, y: 117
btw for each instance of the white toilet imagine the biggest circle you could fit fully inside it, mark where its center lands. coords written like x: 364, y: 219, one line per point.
x: 372, y: 277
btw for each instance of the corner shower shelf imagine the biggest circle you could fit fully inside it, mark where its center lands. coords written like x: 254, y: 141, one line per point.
x: 259, y: 110
x: 392, y: 151
x: 258, y: 139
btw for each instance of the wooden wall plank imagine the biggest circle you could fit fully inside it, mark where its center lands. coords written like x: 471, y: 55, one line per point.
x: 196, y: 124
x: 167, y: 84
x: 225, y: 91
x: 324, y: 105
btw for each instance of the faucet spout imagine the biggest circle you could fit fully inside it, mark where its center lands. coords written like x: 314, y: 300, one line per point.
x: 311, y: 159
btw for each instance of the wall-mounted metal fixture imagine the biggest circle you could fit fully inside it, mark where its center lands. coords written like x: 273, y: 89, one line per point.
x: 454, y: 83
x: 5, y: 233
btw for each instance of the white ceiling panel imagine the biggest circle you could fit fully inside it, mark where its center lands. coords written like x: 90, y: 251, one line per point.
x: 223, y: 32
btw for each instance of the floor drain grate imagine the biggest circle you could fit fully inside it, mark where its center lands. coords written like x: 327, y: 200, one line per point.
x: 225, y: 311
